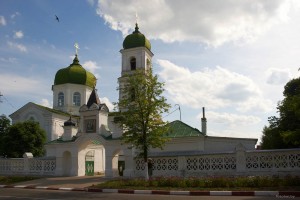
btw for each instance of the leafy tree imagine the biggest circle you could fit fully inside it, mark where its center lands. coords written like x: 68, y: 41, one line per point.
x: 4, y: 126
x: 24, y: 137
x: 140, y: 110
x: 284, y: 131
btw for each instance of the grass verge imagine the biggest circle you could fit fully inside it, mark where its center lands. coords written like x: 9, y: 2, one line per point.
x: 212, y: 183
x: 8, y: 180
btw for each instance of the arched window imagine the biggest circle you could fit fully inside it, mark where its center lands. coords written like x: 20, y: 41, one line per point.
x: 133, y: 63
x: 76, y: 99
x: 61, y: 99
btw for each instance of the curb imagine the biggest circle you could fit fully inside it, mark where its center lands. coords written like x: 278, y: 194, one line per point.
x: 279, y: 194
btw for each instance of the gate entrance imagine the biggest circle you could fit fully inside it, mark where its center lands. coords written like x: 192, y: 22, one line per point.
x: 89, y: 163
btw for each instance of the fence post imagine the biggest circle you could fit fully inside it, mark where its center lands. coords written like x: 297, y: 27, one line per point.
x: 240, y: 159
x: 181, y: 166
x: 26, y: 157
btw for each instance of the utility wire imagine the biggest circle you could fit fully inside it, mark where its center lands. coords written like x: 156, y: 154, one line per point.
x: 170, y: 113
x: 1, y: 95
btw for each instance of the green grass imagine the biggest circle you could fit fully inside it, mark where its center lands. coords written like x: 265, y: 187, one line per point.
x: 7, y: 180
x: 212, y: 183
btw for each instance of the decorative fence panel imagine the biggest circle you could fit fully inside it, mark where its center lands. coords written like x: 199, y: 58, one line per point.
x: 158, y: 166
x: 273, y: 161
x: 210, y: 164
x: 28, y: 166
x: 238, y: 163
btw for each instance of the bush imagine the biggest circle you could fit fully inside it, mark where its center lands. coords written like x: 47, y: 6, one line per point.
x: 204, y: 183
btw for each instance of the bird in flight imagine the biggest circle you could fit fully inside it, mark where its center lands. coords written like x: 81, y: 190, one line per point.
x: 56, y: 18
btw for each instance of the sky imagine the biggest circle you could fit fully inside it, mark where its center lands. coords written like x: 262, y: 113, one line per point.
x: 231, y: 57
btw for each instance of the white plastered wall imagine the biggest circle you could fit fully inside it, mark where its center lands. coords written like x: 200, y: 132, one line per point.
x: 69, y: 89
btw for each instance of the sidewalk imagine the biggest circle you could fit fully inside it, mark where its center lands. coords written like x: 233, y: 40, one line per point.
x: 65, y: 182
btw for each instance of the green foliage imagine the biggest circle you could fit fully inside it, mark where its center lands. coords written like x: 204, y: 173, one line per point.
x: 204, y: 183
x: 140, y: 109
x: 24, y: 137
x: 4, y: 126
x: 284, y: 131
x: 15, y: 179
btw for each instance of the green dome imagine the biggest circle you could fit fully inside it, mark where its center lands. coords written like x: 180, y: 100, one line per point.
x: 75, y: 74
x: 136, y: 39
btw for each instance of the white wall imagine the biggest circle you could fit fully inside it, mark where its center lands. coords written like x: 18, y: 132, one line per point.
x: 219, y: 144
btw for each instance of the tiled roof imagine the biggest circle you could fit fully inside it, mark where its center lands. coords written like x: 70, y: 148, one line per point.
x: 179, y: 129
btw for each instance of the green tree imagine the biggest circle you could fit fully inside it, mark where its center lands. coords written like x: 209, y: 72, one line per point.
x: 4, y: 126
x: 24, y: 137
x: 140, y: 110
x: 284, y: 131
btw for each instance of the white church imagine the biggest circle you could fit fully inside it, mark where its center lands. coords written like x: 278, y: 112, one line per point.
x: 88, y: 141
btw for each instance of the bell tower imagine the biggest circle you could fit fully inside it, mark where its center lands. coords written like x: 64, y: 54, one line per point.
x: 136, y: 54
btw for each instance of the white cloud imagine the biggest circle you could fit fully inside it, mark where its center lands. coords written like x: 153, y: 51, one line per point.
x: 212, y: 22
x: 278, y: 76
x: 231, y: 125
x: 2, y: 21
x: 15, y: 15
x: 213, y: 88
x: 15, y: 85
x: 18, y: 34
x: 92, y: 67
x: 230, y: 118
x: 17, y: 46
x: 45, y: 102
x: 108, y: 103
x: 91, y: 2
x: 9, y: 60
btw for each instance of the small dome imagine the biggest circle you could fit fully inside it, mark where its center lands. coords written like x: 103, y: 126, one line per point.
x: 69, y: 122
x: 75, y: 74
x: 136, y: 39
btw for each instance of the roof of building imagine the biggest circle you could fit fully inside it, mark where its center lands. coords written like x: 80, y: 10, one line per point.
x: 94, y: 98
x: 75, y: 74
x: 56, y: 111
x: 136, y: 39
x: 59, y: 112
x: 180, y: 129
x: 60, y: 140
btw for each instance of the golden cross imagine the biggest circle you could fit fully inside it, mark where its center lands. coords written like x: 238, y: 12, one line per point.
x: 76, y: 47
x: 136, y: 17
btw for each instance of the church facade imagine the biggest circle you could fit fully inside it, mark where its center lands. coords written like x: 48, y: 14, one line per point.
x: 81, y: 131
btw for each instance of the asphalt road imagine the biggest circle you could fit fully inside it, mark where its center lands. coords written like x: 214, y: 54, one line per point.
x: 36, y: 194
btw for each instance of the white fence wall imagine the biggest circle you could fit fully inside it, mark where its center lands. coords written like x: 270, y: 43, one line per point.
x: 238, y: 163
x: 28, y: 166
